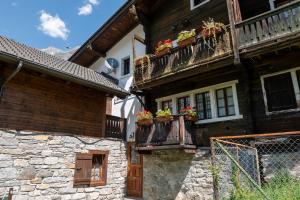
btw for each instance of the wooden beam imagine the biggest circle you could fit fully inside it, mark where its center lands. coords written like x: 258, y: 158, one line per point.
x: 95, y: 51
x: 233, y: 32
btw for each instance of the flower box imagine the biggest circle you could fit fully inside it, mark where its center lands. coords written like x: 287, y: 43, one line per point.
x: 145, y: 122
x: 163, y: 52
x: 186, y: 42
x: 165, y: 119
x: 190, y: 118
x: 207, y: 33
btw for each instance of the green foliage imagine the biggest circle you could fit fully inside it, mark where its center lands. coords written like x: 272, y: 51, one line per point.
x: 163, y: 113
x: 183, y: 35
x: 281, y: 187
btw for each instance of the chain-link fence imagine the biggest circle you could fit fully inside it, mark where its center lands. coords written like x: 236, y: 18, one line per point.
x: 257, y: 167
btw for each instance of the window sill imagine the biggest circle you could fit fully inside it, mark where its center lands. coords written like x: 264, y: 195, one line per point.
x: 220, y: 119
x: 282, y: 111
x: 97, y: 183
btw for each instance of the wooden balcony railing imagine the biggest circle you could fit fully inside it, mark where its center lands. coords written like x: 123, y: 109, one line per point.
x: 274, y: 24
x: 115, y: 127
x: 180, y: 58
x: 175, y: 134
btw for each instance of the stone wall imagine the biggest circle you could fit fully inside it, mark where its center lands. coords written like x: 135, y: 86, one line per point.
x: 42, y: 166
x: 174, y: 174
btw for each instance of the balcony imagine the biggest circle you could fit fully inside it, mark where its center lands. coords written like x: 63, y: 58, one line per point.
x: 115, y: 127
x: 177, y: 134
x: 181, y: 59
x: 273, y: 29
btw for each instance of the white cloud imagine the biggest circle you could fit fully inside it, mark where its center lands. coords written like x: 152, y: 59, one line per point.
x: 53, y: 26
x: 94, y: 2
x: 85, y: 10
x: 14, y: 4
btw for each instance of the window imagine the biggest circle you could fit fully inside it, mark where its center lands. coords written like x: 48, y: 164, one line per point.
x: 203, y: 105
x: 280, y: 92
x: 197, y: 3
x: 91, y: 168
x: 182, y: 103
x: 225, y: 103
x: 166, y: 105
x: 213, y: 103
x: 126, y: 66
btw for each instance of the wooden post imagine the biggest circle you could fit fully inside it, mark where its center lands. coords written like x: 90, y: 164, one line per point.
x: 233, y: 32
x: 10, y: 193
x: 213, y: 162
x: 181, y: 130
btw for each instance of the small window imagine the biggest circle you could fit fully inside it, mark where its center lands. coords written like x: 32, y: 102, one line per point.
x: 197, y: 3
x: 225, y: 102
x: 280, y: 92
x: 203, y: 106
x: 126, y: 66
x: 182, y: 103
x: 166, y: 105
x: 91, y: 168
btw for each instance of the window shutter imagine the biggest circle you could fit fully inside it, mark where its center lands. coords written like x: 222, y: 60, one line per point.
x: 280, y: 92
x: 298, y: 77
x: 83, y: 169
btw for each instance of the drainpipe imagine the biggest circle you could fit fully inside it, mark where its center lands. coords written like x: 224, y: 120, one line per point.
x: 2, y: 85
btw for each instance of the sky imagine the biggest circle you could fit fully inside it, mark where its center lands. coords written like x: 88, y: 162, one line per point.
x: 58, y: 23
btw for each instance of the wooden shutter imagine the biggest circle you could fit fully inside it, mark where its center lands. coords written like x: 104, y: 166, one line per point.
x: 280, y: 92
x: 83, y: 169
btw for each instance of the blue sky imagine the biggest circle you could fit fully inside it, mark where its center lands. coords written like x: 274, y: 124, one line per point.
x: 57, y: 23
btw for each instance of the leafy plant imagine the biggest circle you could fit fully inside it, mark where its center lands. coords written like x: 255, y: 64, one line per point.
x: 211, y: 28
x: 164, y: 113
x: 188, y: 111
x: 161, y: 45
x: 144, y: 115
x: 183, y: 35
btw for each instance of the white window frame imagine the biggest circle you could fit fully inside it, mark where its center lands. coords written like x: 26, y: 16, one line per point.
x: 122, y: 67
x: 196, y: 6
x: 295, y: 85
x: 212, y: 90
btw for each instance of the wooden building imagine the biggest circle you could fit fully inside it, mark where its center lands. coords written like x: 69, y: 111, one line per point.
x: 242, y: 79
x: 55, y: 135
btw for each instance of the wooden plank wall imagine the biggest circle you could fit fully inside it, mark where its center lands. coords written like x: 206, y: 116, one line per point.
x: 265, y: 65
x: 260, y: 123
x: 36, y: 102
x: 176, y: 11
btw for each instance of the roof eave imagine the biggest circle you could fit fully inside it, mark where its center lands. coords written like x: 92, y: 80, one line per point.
x: 39, y: 68
x: 101, y: 29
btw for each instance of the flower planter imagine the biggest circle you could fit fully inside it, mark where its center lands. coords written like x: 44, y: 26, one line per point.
x: 186, y: 42
x: 190, y: 118
x: 145, y: 122
x: 163, y: 52
x: 164, y: 119
x: 207, y: 33
x: 141, y: 60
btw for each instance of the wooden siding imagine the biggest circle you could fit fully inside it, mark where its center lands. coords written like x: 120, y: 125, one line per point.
x: 268, y: 64
x: 176, y: 11
x: 221, y: 75
x: 36, y: 102
x: 251, y: 105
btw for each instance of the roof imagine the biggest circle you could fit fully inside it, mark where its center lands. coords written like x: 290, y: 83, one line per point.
x: 48, y: 64
x: 121, y: 23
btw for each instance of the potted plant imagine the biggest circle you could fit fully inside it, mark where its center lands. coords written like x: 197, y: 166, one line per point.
x: 164, y: 116
x: 211, y: 28
x: 142, y: 60
x: 186, y: 38
x: 144, y: 118
x: 163, y: 48
x: 189, y: 114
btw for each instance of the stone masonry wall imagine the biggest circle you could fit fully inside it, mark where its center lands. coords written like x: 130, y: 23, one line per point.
x: 174, y: 174
x: 42, y: 167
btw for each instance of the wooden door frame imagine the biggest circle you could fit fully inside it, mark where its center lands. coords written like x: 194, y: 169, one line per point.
x: 129, y: 146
